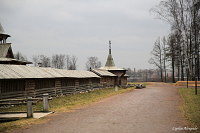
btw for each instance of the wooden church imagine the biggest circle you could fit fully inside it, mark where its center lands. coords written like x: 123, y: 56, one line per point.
x: 6, y: 53
x: 120, y: 78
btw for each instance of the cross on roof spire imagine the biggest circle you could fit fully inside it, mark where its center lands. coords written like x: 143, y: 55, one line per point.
x: 109, y: 62
x: 109, y: 47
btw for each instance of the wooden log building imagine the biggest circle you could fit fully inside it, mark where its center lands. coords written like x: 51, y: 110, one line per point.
x: 108, y: 79
x: 18, y: 81
x: 121, y: 76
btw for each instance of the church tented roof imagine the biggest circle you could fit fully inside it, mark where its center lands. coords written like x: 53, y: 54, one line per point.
x: 1, y: 29
x: 2, y: 33
x: 4, y: 48
x: 110, y: 65
x: 110, y: 61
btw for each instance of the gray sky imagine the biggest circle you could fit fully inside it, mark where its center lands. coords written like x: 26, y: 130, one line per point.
x: 83, y: 28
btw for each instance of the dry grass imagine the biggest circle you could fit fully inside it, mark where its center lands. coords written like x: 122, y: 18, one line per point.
x: 191, y: 105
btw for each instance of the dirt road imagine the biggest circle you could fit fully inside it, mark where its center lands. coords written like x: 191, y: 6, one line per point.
x: 155, y: 109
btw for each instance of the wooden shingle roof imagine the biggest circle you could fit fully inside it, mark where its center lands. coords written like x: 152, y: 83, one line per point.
x: 103, y: 72
x: 28, y: 72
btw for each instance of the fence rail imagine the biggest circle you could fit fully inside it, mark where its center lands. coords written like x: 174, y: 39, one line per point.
x: 29, y: 102
x: 53, y: 92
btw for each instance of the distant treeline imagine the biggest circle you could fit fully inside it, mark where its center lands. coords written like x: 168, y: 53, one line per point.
x: 60, y: 61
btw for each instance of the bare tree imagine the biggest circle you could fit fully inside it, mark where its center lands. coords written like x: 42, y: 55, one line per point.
x: 41, y: 61
x: 73, y: 64
x: 58, y: 61
x: 36, y: 60
x: 157, y: 58
x: 68, y: 61
x: 92, y: 63
x: 20, y: 56
x: 171, y: 53
x: 164, y: 43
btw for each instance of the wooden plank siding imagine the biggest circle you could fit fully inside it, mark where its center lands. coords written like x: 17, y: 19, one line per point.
x: 121, y: 80
x: 108, y: 81
x: 11, y: 85
x: 54, y: 87
x: 30, y: 87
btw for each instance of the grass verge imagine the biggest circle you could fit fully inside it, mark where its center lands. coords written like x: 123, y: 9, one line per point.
x: 191, y: 106
x: 60, y: 104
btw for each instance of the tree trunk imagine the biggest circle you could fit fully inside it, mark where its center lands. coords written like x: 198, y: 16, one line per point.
x: 182, y: 70
x: 178, y: 75
x: 173, y: 67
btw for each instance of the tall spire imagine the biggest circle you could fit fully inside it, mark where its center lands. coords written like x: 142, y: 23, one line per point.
x: 110, y: 62
x: 109, y: 47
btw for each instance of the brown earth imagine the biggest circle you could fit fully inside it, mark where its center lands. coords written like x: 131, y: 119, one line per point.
x: 155, y: 109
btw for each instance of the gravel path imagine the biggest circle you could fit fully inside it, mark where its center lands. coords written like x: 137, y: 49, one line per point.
x: 155, y: 109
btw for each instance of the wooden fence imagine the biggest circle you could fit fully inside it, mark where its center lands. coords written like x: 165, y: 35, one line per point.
x: 190, y: 83
x: 29, y: 101
x: 53, y: 92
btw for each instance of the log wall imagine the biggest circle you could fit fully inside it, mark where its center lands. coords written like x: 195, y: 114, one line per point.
x: 54, y: 87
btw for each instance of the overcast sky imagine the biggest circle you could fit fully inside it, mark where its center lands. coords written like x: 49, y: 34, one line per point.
x: 83, y: 28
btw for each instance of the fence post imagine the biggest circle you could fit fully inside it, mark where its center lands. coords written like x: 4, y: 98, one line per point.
x: 45, y: 102
x: 116, y: 88
x: 29, y: 108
